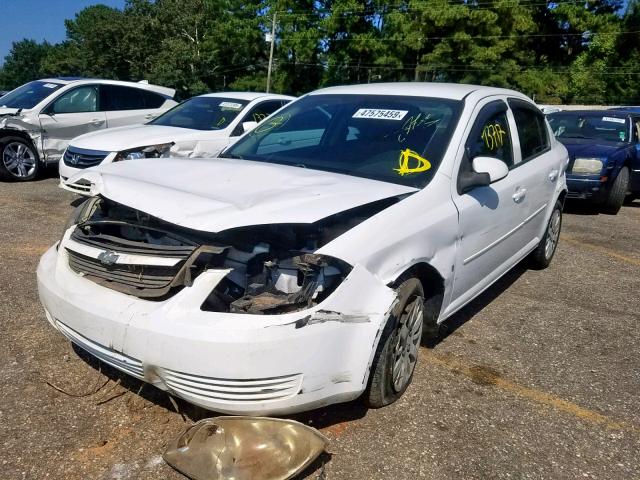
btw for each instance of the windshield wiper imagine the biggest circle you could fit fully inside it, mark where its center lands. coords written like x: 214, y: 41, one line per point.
x: 233, y: 155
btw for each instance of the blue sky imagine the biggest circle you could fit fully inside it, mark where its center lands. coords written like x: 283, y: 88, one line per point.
x: 39, y: 19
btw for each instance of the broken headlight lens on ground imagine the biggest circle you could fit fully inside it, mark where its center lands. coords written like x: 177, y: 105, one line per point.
x: 245, y: 448
x: 152, y: 151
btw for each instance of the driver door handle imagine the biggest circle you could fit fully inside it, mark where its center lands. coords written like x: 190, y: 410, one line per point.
x: 97, y: 121
x: 150, y: 116
x: 553, y: 175
x: 519, y: 195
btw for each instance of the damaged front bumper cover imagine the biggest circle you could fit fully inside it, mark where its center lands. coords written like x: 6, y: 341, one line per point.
x: 228, y: 362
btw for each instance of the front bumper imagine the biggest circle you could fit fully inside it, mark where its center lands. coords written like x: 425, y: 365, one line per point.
x: 67, y: 182
x: 231, y: 363
x: 586, y: 187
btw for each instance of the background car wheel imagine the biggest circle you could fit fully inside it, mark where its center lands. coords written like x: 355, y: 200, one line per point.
x: 618, y: 192
x: 541, y: 257
x: 18, y: 160
x: 397, y: 352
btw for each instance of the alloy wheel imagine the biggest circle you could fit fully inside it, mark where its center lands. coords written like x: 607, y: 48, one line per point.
x: 19, y: 159
x: 408, y: 336
x: 553, y: 234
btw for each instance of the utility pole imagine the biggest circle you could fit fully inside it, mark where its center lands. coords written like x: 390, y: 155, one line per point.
x: 273, y: 43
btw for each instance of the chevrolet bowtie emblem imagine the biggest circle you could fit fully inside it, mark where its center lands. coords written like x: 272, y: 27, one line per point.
x: 108, y: 258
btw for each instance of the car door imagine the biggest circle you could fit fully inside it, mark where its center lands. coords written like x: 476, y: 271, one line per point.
x: 129, y: 105
x: 540, y: 166
x: 490, y: 217
x: 634, y: 181
x: 72, y: 113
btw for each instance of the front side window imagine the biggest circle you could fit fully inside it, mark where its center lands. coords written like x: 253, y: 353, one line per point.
x: 492, y: 139
x: 532, y: 132
x: 79, y: 100
x: 202, y: 113
x: 390, y: 138
x: 599, y: 126
x: 29, y: 95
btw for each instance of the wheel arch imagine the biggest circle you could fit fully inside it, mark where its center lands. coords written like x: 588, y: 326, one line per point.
x: 433, y: 285
x: 9, y: 132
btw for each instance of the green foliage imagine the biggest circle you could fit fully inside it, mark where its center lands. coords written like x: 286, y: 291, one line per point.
x: 563, y: 51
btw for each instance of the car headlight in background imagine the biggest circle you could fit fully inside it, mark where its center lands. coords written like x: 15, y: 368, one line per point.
x: 589, y: 166
x: 152, y: 151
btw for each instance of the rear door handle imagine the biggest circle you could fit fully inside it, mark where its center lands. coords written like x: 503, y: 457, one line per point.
x: 553, y: 175
x: 149, y: 116
x: 519, y: 195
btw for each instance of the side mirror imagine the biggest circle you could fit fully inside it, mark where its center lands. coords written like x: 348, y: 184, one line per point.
x: 248, y: 126
x: 495, y: 168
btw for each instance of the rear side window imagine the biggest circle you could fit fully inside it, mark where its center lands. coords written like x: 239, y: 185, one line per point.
x: 492, y: 139
x: 117, y: 97
x: 152, y: 100
x: 532, y: 130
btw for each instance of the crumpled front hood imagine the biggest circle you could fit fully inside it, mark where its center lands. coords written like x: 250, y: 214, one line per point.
x: 125, y: 138
x: 7, y: 110
x: 588, y: 147
x: 218, y: 194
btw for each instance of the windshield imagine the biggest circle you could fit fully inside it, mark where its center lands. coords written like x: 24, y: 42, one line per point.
x: 390, y: 138
x: 29, y: 95
x: 599, y: 127
x: 202, y: 113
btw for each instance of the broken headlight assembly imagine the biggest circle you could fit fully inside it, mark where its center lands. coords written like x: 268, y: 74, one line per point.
x: 81, y: 213
x: 278, y: 284
x: 151, y: 151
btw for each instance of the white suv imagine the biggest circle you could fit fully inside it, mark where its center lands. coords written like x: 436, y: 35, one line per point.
x: 199, y: 127
x: 38, y: 119
x: 303, y: 266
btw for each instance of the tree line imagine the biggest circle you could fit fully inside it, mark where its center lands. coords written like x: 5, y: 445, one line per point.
x: 564, y: 51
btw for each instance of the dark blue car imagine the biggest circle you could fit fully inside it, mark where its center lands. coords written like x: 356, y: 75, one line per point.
x: 604, y: 155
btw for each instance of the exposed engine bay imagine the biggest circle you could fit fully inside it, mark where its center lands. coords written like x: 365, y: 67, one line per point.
x: 272, y: 268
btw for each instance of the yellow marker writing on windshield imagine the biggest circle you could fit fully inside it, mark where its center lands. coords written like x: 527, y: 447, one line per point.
x: 404, y: 166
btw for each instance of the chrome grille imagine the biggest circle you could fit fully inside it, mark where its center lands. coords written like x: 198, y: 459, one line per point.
x: 81, y: 158
x: 142, y: 280
x: 227, y: 390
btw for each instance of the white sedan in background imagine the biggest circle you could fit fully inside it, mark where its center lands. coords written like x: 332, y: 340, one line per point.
x: 199, y: 127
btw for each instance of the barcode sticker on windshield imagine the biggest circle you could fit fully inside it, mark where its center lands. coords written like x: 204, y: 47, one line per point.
x: 613, y: 119
x: 380, y: 114
x: 50, y: 85
x: 232, y: 105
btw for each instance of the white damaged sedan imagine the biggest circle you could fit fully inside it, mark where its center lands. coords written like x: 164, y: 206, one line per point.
x: 303, y: 266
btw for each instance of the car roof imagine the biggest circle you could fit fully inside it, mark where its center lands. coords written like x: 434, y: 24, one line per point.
x: 453, y: 91
x: 143, y: 84
x: 250, y: 96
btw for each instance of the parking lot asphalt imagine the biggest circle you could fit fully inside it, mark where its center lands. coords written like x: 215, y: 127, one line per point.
x: 539, y: 378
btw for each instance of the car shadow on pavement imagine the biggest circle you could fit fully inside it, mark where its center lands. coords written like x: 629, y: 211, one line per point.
x: 319, y: 418
x: 580, y: 207
x: 470, y: 310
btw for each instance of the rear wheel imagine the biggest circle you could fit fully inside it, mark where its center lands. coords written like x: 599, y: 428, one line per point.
x: 18, y: 160
x: 541, y: 257
x: 617, y: 194
x: 397, y: 353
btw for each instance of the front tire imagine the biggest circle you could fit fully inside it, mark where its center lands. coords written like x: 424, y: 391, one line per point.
x: 617, y: 194
x: 18, y: 160
x: 541, y: 257
x: 397, y: 352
